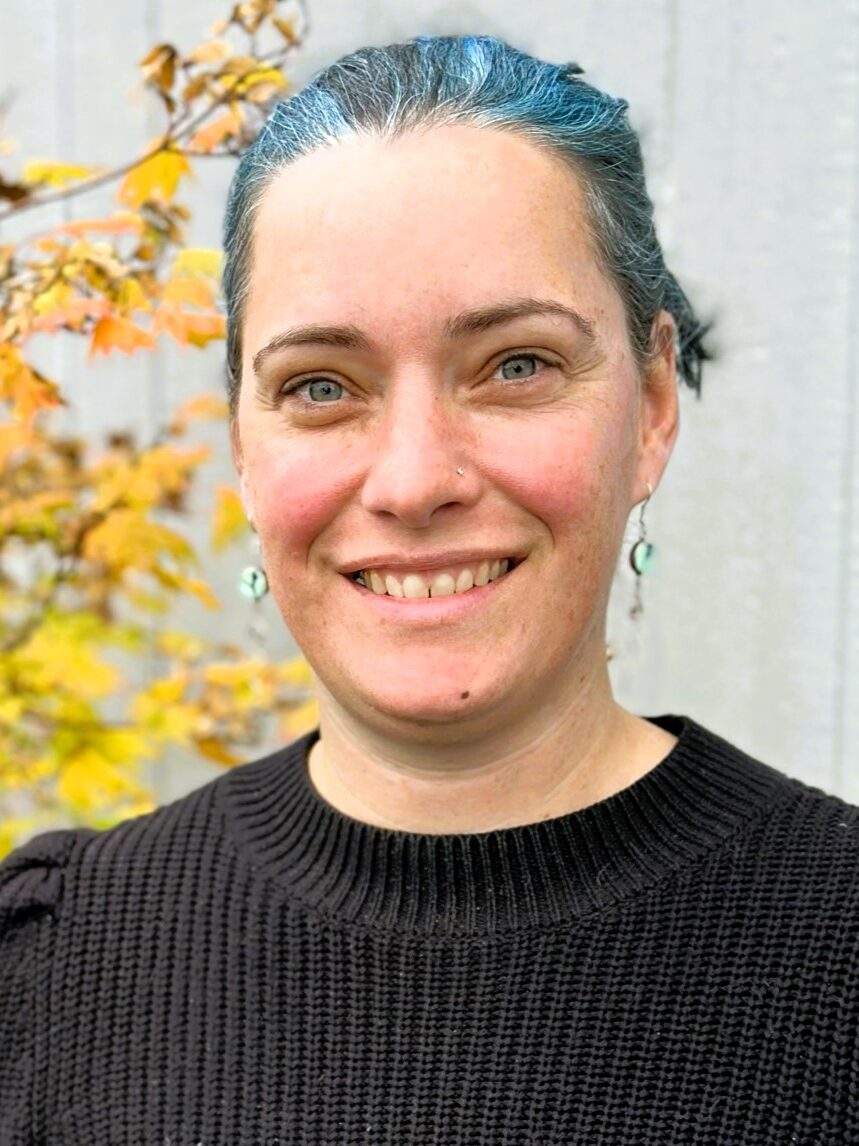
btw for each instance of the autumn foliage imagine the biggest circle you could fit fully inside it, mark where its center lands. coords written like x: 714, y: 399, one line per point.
x: 92, y: 553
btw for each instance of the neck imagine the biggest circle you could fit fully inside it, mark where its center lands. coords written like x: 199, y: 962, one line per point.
x: 569, y: 752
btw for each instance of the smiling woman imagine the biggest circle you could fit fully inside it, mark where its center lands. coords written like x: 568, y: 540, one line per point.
x: 482, y: 902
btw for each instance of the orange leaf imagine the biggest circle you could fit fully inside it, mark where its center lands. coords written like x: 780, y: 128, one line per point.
x: 210, y: 51
x: 188, y: 327
x: 27, y: 389
x: 112, y: 332
x: 214, y: 133
x: 206, y: 405
x: 155, y: 178
x: 119, y: 222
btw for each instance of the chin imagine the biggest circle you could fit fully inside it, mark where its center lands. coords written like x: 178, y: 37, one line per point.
x: 425, y: 714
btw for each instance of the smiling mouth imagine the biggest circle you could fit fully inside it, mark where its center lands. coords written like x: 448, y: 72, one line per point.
x: 437, y: 583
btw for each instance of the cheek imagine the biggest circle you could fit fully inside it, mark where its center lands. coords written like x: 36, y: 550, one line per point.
x: 299, y: 490
x: 564, y: 474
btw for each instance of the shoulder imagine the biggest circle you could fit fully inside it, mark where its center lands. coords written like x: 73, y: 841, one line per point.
x: 800, y: 856
x: 794, y: 845
x: 56, y: 872
x: 31, y: 877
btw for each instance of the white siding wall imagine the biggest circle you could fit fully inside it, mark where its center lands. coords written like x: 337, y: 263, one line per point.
x: 749, y: 117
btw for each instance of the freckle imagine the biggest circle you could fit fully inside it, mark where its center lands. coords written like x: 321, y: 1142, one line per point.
x: 464, y: 695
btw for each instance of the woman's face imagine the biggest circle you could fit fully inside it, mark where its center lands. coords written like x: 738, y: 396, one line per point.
x: 348, y: 441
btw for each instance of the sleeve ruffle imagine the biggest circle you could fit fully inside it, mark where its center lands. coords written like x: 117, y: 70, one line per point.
x: 31, y: 877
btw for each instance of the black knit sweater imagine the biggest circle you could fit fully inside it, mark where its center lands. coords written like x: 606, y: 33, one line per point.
x: 677, y: 964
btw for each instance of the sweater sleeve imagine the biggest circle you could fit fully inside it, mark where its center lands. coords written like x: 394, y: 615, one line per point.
x: 31, y: 889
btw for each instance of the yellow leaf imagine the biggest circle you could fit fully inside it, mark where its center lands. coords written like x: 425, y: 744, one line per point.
x: 193, y: 291
x: 214, y: 749
x: 131, y: 296
x: 36, y: 515
x: 155, y: 178
x: 198, y: 261
x: 160, y: 708
x: 186, y: 585
x: 50, y: 173
x: 11, y: 708
x: 229, y: 520
x: 53, y: 298
x: 184, y: 646
x: 60, y: 654
x: 128, y: 538
x: 145, y: 480
x: 89, y: 781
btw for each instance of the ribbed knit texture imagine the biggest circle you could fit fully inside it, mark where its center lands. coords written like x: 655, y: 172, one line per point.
x: 676, y: 964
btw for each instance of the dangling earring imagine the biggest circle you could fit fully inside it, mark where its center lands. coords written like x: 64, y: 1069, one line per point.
x: 641, y: 557
x: 253, y: 584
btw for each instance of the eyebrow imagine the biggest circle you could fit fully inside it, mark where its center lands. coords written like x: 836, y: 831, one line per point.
x: 461, y: 325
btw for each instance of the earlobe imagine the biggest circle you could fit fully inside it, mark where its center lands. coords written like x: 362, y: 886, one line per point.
x: 247, y: 502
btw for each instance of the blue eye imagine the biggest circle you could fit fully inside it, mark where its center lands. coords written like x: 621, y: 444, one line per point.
x: 318, y: 390
x: 520, y: 366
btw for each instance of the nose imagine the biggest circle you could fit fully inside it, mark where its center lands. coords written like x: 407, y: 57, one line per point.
x: 414, y: 461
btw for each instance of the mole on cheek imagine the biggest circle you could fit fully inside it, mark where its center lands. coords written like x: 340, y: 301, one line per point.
x: 464, y: 695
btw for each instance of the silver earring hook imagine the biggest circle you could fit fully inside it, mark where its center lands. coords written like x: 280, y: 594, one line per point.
x: 643, y: 508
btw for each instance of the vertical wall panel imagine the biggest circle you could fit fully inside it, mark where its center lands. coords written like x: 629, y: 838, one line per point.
x: 755, y: 512
x: 750, y: 127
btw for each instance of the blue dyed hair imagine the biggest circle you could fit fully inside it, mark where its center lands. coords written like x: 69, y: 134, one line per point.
x: 482, y: 81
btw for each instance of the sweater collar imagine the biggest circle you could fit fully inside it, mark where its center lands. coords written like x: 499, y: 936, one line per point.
x: 514, y: 878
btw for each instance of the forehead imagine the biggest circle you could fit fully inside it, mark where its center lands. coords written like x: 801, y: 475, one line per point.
x: 406, y: 232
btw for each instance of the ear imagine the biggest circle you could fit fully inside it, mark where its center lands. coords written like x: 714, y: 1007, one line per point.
x: 659, y: 410
x: 238, y: 461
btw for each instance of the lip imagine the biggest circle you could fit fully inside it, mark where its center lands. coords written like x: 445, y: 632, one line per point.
x: 415, y: 562
x: 429, y: 610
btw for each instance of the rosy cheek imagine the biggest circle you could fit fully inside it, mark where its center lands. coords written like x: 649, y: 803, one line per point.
x: 299, y: 492
x: 550, y: 472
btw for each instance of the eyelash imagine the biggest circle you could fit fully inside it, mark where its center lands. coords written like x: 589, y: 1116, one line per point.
x: 293, y: 388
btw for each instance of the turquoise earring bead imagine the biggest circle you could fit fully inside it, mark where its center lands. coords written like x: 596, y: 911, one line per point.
x: 253, y: 583
x: 642, y: 556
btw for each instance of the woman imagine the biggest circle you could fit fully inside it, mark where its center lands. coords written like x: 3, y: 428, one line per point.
x: 483, y: 902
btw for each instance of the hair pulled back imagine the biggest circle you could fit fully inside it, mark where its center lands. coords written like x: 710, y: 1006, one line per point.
x: 483, y: 81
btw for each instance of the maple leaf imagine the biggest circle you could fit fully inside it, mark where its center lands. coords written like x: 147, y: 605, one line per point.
x: 205, y: 405
x: 221, y: 128
x: 127, y: 538
x: 198, y: 261
x: 188, y: 326
x: 155, y: 178
x: 114, y: 332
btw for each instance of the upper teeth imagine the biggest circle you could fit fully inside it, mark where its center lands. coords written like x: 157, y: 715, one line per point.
x: 438, y: 584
